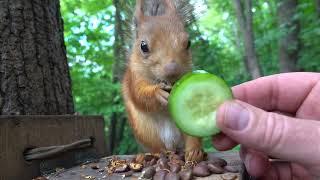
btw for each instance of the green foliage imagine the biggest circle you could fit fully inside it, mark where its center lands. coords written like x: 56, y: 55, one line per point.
x: 309, y: 36
x: 89, y: 37
x: 216, y: 42
x: 218, y: 48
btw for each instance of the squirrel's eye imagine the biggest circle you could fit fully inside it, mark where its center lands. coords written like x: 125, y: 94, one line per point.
x: 189, y: 44
x: 144, y: 47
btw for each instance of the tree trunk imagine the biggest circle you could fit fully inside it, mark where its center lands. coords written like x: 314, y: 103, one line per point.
x: 34, y: 74
x: 318, y: 7
x: 118, y: 68
x: 122, y: 124
x: 112, y: 133
x: 289, y: 41
x: 246, y: 27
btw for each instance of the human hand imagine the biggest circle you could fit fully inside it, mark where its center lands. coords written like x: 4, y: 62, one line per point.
x: 256, y: 121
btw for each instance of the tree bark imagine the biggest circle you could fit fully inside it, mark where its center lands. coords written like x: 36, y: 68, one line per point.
x: 244, y: 16
x: 120, y: 50
x: 318, y: 7
x: 289, y: 41
x: 122, y: 125
x: 34, y: 74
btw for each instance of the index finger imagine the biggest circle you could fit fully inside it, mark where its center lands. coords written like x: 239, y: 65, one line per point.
x: 281, y: 92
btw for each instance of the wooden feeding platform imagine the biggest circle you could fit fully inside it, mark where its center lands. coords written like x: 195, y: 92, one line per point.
x: 97, y: 170
x: 69, y: 148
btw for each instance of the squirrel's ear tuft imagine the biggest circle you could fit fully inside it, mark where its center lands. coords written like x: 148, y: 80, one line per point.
x: 139, y: 14
x: 169, y: 6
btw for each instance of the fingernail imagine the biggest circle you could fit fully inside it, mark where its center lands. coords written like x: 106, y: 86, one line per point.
x: 236, y: 117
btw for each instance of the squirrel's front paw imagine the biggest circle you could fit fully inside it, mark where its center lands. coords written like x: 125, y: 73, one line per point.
x: 196, y: 155
x: 166, y: 87
x: 162, y: 96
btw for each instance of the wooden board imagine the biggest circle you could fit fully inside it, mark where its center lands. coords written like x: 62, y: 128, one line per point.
x: 85, y: 172
x: 17, y: 133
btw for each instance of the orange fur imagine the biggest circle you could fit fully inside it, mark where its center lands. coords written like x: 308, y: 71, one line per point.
x: 141, y: 92
x: 139, y: 100
x: 149, y: 119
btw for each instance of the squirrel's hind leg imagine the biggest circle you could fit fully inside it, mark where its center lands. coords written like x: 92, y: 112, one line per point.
x: 193, y: 149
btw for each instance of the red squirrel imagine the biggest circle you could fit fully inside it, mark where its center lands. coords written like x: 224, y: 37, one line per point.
x: 159, y: 57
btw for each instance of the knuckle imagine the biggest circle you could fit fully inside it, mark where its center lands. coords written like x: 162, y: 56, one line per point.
x: 273, y: 133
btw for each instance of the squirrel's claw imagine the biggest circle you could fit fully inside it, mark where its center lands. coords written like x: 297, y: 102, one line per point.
x: 162, y: 96
x: 165, y: 87
x: 195, y: 155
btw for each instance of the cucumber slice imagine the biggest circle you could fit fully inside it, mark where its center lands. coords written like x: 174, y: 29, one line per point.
x: 193, y: 102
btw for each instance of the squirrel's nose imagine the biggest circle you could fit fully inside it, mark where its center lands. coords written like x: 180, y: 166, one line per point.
x: 171, y: 69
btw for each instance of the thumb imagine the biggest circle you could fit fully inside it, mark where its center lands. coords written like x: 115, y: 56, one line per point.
x: 283, y: 137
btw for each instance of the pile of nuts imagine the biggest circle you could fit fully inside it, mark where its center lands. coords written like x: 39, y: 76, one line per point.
x: 167, y: 166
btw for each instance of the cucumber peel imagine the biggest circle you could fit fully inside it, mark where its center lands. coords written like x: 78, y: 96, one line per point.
x: 193, y: 102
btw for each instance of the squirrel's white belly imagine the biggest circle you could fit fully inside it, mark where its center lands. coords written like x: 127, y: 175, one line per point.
x: 168, y: 132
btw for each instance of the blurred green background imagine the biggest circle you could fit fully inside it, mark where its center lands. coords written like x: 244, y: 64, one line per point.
x: 96, y: 38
